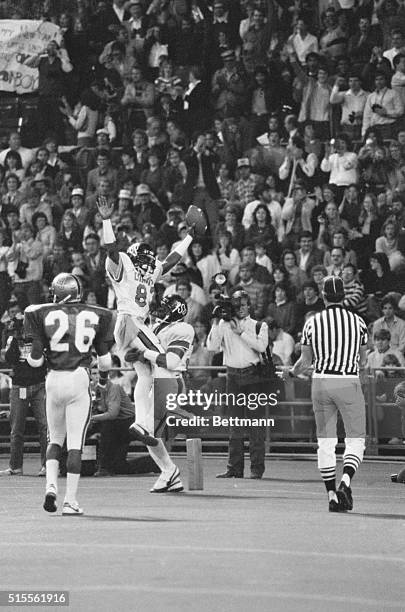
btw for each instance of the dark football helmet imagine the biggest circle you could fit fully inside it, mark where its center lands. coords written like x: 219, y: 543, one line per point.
x: 66, y: 288
x: 171, y: 308
x: 142, y: 257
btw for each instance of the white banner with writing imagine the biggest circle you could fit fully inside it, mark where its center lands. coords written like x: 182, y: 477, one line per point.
x: 19, y: 40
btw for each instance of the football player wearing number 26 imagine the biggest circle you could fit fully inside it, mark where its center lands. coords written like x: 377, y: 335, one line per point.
x: 64, y: 333
x: 133, y: 275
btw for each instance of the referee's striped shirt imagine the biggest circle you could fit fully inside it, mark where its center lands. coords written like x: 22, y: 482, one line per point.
x: 335, y: 336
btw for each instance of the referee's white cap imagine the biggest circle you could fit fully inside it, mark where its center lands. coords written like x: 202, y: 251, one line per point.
x: 333, y: 288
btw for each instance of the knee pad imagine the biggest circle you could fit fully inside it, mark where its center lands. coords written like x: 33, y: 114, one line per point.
x: 354, y: 446
x: 54, y: 451
x: 74, y: 461
x: 326, y: 452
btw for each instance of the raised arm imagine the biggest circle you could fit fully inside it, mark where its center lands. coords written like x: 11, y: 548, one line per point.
x: 178, y: 253
x: 105, y: 209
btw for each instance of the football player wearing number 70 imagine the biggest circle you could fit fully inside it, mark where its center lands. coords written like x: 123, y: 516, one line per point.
x: 133, y: 276
x: 64, y: 334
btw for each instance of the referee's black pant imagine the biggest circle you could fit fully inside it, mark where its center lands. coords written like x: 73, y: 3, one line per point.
x: 245, y: 381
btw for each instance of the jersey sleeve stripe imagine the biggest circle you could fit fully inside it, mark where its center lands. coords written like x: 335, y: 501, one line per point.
x: 182, y: 343
x: 147, y: 342
x: 177, y: 351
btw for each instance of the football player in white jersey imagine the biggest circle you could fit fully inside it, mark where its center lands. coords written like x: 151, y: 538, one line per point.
x: 176, y: 338
x: 133, y: 275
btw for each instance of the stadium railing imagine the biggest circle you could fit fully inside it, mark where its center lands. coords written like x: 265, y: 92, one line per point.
x: 293, y: 430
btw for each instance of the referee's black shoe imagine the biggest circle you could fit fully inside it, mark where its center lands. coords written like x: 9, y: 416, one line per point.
x: 344, y: 494
x: 334, y: 506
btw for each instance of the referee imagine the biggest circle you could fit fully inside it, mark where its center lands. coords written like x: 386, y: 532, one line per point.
x: 335, y: 340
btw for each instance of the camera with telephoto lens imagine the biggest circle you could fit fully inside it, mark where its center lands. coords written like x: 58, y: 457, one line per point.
x: 224, y: 309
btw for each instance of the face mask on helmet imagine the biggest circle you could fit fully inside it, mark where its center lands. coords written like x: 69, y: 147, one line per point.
x: 142, y: 258
x: 65, y: 288
x: 172, y: 308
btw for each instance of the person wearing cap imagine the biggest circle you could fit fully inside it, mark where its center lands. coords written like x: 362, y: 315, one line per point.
x: 125, y: 201
x: 78, y: 208
x: 352, y: 102
x: 383, y: 108
x: 147, y: 208
x: 242, y: 340
x: 246, y: 184
x: 228, y: 87
x: 335, y: 341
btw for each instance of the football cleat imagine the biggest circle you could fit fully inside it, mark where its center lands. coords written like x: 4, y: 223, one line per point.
x: 66, y: 287
x: 71, y: 509
x: 50, y: 500
x: 171, y: 308
x: 142, y: 257
x: 137, y: 432
x: 344, y: 494
x: 168, y: 482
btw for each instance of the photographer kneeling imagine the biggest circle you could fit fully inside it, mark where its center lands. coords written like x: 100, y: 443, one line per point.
x: 114, y: 411
x: 242, y: 341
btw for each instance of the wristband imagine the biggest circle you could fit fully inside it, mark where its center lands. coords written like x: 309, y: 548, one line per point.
x: 151, y: 355
x: 108, y: 231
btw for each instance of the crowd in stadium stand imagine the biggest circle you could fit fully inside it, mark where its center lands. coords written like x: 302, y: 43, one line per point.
x: 283, y: 120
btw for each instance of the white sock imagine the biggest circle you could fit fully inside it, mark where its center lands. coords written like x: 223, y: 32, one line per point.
x: 52, y: 471
x: 346, y: 479
x: 332, y: 495
x: 160, y: 455
x: 72, y: 482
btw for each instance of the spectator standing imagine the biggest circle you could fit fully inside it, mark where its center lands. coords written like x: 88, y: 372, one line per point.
x: 27, y: 393
x: 52, y: 67
x: 383, y: 108
x: 352, y: 102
